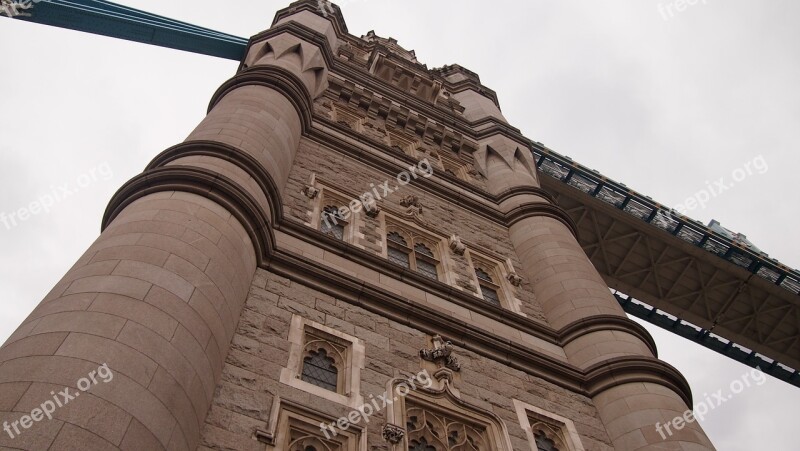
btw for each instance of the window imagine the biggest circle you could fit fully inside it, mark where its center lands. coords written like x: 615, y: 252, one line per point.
x: 437, y: 419
x: 490, y: 291
x: 320, y: 370
x: 397, y: 250
x: 294, y: 427
x: 543, y: 443
x: 332, y: 223
x: 547, y: 431
x: 429, y: 430
x: 412, y: 252
x: 324, y: 362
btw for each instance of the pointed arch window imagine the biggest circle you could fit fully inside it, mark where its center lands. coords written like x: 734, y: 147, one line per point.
x: 320, y: 369
x: 324, y: 361
x: 433, y: 431
x: 332, y: 222
x: 490, y: 290
x: 412, y: 252
x: 543, y: 443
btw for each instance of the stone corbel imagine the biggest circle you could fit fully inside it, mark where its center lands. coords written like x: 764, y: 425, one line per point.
x: 393, y: 434
x: 456, y: 245
x: 515, y: 279
x: 372, y: 209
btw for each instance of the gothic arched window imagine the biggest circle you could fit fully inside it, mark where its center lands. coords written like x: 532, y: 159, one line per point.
x: 489, y: 289
x: 543, y: 443
x: 435, y: 431
x: 413, y: 253
x: 332, y: 222
x: 397, y: 249
x: 320, y: 369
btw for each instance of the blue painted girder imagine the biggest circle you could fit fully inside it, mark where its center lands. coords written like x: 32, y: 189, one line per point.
x: 118, y: 21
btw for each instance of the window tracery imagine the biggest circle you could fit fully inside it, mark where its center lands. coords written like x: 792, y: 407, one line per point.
x: 433, y: 431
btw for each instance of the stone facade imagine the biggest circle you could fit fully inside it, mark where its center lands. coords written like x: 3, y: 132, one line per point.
x: 345, y: 224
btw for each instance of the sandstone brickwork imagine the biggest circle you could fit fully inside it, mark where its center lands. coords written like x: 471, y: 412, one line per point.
x: 343, y: 222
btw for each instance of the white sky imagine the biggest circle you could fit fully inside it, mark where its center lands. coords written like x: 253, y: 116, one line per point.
x: 662, y: 105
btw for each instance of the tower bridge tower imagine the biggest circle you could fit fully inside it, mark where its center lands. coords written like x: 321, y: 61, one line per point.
x: 350, y: 252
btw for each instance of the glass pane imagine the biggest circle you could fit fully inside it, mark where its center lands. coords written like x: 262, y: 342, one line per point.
x: 396, y: 238
x: 427, y: 269
x: 424, y: 250
x: 543, y: 443
x: 490, y: 295
x: 399, y: 257
x: 334, y: 230
x: 320, y: 370
x: 483, y: 275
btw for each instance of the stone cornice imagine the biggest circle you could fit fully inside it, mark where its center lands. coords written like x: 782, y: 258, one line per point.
x: 276, y: 78
x: 519, y: 190
x: 208, y: 184
x: 585, y: 326
x: 531, y: 209
x: 627, y: 369
x: 232, y: 155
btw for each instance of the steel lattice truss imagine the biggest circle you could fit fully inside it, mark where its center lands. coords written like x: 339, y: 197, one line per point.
x: 698, y: 284
x: 688, y: 283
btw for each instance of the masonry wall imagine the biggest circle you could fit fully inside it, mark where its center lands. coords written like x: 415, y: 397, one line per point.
x: 260, y: 348
x: 442, y: 216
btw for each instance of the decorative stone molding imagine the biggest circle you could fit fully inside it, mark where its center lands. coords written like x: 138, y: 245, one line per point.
x: 514, y: 279
x: 393, y: 434
x: 444, y: 374
x: 265, y: 436
x: 441, y: 353
x: 456, y: 245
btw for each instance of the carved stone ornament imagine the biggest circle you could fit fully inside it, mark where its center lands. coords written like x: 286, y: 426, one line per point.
x: 456, y: 245
x: 372, y: 209
x: 410, y: 201
x: 441, y: 353
x: 393, y: 433
x: 310, y: 191
x: 515, y: 279
x: 413, y: 207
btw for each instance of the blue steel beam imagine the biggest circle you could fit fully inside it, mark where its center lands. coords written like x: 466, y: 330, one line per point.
x: 118, y: 21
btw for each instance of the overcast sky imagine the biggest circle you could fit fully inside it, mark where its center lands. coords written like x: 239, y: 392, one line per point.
x: 662, y: 100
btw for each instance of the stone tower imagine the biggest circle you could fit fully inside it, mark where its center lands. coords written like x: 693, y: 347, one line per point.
x: 350, y: 252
